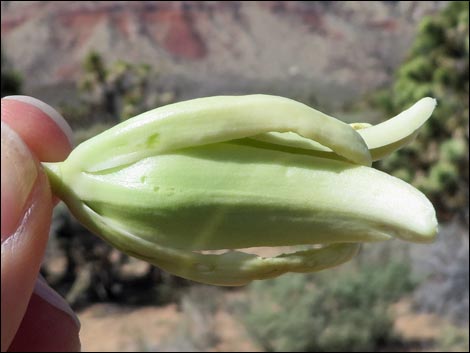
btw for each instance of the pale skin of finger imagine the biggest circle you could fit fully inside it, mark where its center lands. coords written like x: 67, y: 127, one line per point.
x: 42, y: 128
x: 22, y: 253
x: 29, y: 136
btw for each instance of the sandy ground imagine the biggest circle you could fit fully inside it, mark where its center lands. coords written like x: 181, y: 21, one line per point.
x: 108, y: 327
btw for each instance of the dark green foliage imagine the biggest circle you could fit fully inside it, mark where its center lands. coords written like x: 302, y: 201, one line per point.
x: 118, y: 90
x: 330, y: 311
x: 11, y: 79
x: 437, y: 162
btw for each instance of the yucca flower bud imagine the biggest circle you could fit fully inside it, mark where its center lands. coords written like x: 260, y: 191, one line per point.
x: 227, y: 173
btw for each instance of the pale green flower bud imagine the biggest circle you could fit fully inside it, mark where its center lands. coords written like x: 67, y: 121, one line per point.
x: 239, y: 172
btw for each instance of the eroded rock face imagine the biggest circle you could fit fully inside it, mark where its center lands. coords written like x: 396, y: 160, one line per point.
x: 341, y: 43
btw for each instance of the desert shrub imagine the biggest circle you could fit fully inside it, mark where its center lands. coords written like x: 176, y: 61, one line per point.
x: 198, y: 329
x: 453, y: 339
x: 11, y: 80
x: 120, y: 90
x: 200, y: 304
x: 445, y: 291
x: 437, y: 66
x: 110, y: 92
x: 331, y: 311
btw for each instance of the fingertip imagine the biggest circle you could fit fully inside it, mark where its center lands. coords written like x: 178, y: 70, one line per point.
x: 43, y: 129
x: 50, y: 111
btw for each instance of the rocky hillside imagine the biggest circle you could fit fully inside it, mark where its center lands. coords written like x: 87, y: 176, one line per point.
x: 334, y: 50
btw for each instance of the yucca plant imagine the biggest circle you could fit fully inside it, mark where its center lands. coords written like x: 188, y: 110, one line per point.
x: 234, y: 172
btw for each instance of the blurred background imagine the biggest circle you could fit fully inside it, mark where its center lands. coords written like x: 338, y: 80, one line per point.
x: 99, y: 63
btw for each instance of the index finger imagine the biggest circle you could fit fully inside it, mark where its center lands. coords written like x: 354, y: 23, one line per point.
x: 31, y: 131
x: 41, y: 127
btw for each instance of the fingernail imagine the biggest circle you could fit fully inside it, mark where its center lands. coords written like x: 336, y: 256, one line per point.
x: 19, y: 173
x: 43, y: 290
x: 49, y: 111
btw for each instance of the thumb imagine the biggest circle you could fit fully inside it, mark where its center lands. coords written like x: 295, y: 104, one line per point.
x: 26, y: 209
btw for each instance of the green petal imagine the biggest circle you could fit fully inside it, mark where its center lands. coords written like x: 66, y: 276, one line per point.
x: 226, y: 196
x: 382, y: 139
x: 211, y: 120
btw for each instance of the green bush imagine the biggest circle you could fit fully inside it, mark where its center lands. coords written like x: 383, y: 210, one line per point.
x: 11, y: 80
x: 453, y: 339
x: 437, y: 66
x: 324, y: 312
x: 119, y: 90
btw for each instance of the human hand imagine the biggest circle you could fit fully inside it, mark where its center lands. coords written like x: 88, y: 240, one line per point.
x: 34, y: 316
